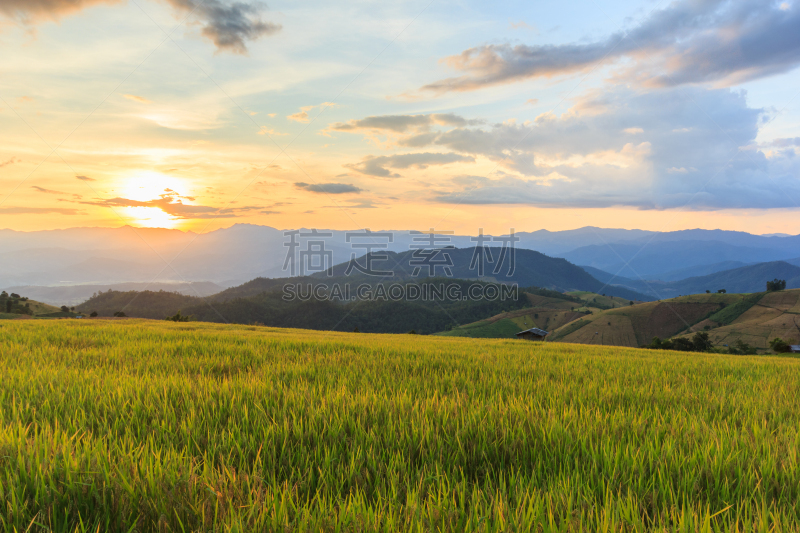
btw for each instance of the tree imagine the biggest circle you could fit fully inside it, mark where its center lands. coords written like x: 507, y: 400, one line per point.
x: 64, y: 309
x: 178, y: 317
x: 776, y: 285
x: 721, y: 291
x: 15, y: 295
x: 658, y: 344
x: 120, y: 314
x: 741, y: 348
x: 94, y: 314
x: 708, y: 291
x: 701, y: 342
x: 630, y: 303
x: 778, y: 345
x: 683, y: 344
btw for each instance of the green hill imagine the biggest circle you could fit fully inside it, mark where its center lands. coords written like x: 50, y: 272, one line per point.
x: 744, y: 279
x: 754, y: 318
x: 270, y: 308
x: 549, y: 311
x: 15, y: 306
x: 531, y: 269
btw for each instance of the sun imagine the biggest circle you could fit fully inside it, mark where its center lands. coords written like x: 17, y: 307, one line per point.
x: 151, y: 217
x: 148, y: 186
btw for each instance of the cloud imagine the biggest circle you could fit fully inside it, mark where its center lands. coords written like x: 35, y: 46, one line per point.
x: 378, y: 166
x: 786, y: 142
x: 522, y: 25
x: 269, y: 131
x: 39, y: 211
x: 356, y: 203
x: 172, y: 204
x: 29, y: 11
x: 690, y: 41
x: 229, y: 25
x: 140, y: 99
x: 328, y: 188
x: 46, y: 191
x: 411, y: 131
x: 633, y: 131
x: 680, y: 170
x: 573, y: 161
x: 84, y: 178
x: 302, y: 115
x: 402, y: 123
x: 10, y: 162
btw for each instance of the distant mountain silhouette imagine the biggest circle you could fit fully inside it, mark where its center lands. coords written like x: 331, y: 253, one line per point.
x: 232, y: 256
x: 651, y: 261
x: 746, y: 279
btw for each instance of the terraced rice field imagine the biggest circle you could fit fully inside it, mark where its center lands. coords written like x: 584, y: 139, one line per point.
x: 152, y: 426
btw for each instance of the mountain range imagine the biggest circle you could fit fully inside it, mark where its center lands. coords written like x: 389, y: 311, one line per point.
x: 106, y: 257
x: 745, y: 279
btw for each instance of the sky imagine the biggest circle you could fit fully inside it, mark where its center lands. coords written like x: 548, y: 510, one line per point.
x: 452, y: 115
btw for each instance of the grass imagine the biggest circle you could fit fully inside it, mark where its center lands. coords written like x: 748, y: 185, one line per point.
x: 599, y: 301
x: 663, y: 319
x: 732, y: 312
x: 504, y: 328
x: 154, y: 426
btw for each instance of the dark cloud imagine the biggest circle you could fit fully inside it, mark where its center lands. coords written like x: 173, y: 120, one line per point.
x: 39, y: 211
x: 691, y: 41
x: 328, y: 188
x: 229, y: 25
x: 378, y: 166
x: 84, y: 178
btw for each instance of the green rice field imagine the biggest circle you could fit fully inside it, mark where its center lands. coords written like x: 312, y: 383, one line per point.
x: 136, y: 425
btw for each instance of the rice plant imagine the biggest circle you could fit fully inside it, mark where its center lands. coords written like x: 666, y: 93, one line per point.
x: 162, y: 426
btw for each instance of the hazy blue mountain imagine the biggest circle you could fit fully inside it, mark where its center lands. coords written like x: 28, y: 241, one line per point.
x: 70, y: 295
x: 651, y: 260
x: 750, y: 278
x: 242, y: 252
x: 700, y: 270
